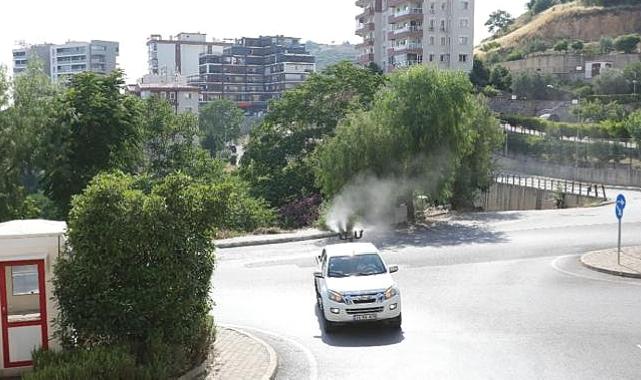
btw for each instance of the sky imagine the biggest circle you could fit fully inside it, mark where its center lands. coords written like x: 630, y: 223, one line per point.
x: 130, y: 22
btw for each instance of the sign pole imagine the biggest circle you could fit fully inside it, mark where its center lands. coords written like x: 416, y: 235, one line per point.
x: 619, y: 245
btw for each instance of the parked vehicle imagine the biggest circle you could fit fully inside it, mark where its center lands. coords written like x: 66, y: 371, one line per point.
x: 353, y: 284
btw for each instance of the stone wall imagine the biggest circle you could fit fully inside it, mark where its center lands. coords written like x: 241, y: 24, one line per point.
x: 623, y: 176
x: 504, y: 197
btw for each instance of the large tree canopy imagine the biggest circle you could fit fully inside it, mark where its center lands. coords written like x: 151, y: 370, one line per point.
x: 417, y: 133
x: 275, y: 162
x: 220, y: 122
x: 96, y: 128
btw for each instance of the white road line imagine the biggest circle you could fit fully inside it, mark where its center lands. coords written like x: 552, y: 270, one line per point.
x: 554, y: 265
x: 311, y: 360
x: 639, y: 346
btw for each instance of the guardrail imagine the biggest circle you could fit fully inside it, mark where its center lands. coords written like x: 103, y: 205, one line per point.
x: 549, y: 184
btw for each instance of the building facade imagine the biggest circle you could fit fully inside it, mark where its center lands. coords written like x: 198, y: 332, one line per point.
x: 174, y: 89
x: 252, y: 71
x: 179, y: 54
x: 63, y: 61
x: 401, y: 33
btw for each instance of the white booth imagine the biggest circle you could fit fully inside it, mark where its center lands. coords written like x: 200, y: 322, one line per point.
x: 28, y: 251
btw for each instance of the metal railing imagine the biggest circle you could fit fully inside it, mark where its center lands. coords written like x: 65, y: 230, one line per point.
x: 550, y: 184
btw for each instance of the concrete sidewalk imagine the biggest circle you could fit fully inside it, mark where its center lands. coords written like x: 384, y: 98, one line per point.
x: 241, y: 356
x: 250, y: 240
x: 606, y: 261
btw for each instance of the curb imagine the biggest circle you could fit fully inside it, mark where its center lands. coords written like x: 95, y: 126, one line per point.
x: 607, y: 271
x: 289, y: 239
x: 272, y: 367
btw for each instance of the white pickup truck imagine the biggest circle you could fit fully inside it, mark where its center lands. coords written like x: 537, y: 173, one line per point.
x: 353, y: 284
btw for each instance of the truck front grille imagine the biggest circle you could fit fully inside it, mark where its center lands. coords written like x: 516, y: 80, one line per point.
x: 368, y: 310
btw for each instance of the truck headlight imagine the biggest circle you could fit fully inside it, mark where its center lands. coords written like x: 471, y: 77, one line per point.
x: 390, y: 292
x: 335, y: 296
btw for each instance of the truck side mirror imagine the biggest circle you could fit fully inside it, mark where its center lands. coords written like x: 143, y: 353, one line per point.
x: 318, y: 274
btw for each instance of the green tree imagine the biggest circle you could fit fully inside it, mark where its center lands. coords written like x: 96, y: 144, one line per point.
x: 533, y: 86
x: 501, y: 78
x: 276, y: 160
x: 611, y: 82
x: 219, y: 122
x: 562, y: 45
x: 633, y: 125
x: 539, y: 6
x: 577, y: 45
x: 96, y: 128
x: 499, y: 21
x: 418, y: 131
x: 480, y: 75
x: 627, y: 43
x: 23, y: 124
x: 140, y: 268
x: 606, y: 44
x: 596, y: 111
x: 171, y: 144
x: 632, y: 73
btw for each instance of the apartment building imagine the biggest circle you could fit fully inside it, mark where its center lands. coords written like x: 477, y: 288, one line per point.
x: 65, y: 60
x: 401, y: 33
x: 173, y: 88
x: 179, y: 54
x: 252, y: 71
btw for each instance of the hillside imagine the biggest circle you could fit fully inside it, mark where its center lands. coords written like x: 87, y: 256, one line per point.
x: 570, y: 21
x: 330, y: 54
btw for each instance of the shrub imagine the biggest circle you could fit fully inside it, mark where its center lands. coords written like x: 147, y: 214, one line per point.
x: 514, y: 55
x: 627, y: 43
x: 490, y: 91
x: 139, y: 269
x: 96, y: 363
x: 610, y: 82
x: 577, y: 45
x: 561, y: 45
x: 301, y: 212
x: 606, y: 44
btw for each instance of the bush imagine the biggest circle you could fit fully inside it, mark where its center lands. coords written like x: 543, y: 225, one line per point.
x: 611, y: 82
x: 96, y: 363
x: 139, y: 269
x: 561, y: 45
x: 577, y: 45
x: 490, y: 91
x: 514, y: 55
x: 301, y: 212
x: 627, y: 43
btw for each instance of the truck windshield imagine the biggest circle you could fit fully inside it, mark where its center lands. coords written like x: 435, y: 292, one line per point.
x: 357, y: 265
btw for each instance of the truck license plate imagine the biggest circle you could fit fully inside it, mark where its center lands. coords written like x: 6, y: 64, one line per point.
x: 365, y: 317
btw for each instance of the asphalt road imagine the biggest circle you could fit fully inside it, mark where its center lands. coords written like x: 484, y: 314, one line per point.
x: 485, y: 296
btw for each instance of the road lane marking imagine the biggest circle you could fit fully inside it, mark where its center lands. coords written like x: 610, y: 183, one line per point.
x: 556, y: 267
x: 639, y: 346
x: 309, y: 356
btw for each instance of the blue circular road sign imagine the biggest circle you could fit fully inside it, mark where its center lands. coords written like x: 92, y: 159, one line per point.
x: 620, y: 206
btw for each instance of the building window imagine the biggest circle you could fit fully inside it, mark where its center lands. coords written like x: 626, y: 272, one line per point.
x: 462, y: 40
x: 443, y: 41
x: 465, y: 5
x: 431, y: 40
x: 431, y: 58
x: 464, y: 23
x: 462, y: 57
x: 24, y: 280
x: 442, y: 25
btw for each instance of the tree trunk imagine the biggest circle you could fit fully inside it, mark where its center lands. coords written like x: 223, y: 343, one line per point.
x: 411, y: 212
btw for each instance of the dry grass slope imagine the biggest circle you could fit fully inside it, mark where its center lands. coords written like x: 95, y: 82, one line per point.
x: 573, y: 21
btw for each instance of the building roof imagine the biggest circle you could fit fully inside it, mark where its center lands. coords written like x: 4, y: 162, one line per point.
x: 31, y: 228
x: 344, y: 249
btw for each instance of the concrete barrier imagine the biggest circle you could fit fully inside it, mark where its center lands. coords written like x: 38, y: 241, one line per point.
x: 505, y: 197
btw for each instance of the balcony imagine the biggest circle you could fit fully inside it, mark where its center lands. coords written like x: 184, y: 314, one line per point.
x: 363, y: 29
x: 410, y: 14
x: 411, y: 48
x: 393, y: 3
x: 365, y: 59
x: 410, y: 30
x: 362, y: 3
x: 368, y: 12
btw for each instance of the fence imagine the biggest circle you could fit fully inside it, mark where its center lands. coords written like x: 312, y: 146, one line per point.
x: 556, y: 185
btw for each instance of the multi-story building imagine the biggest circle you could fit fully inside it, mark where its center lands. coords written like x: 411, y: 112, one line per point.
x: 400, y: 33
x: 179, y: 54
x: 174, y: 89
x: 253, y: 71
x: 63, y: 61
x: 22, y: 55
